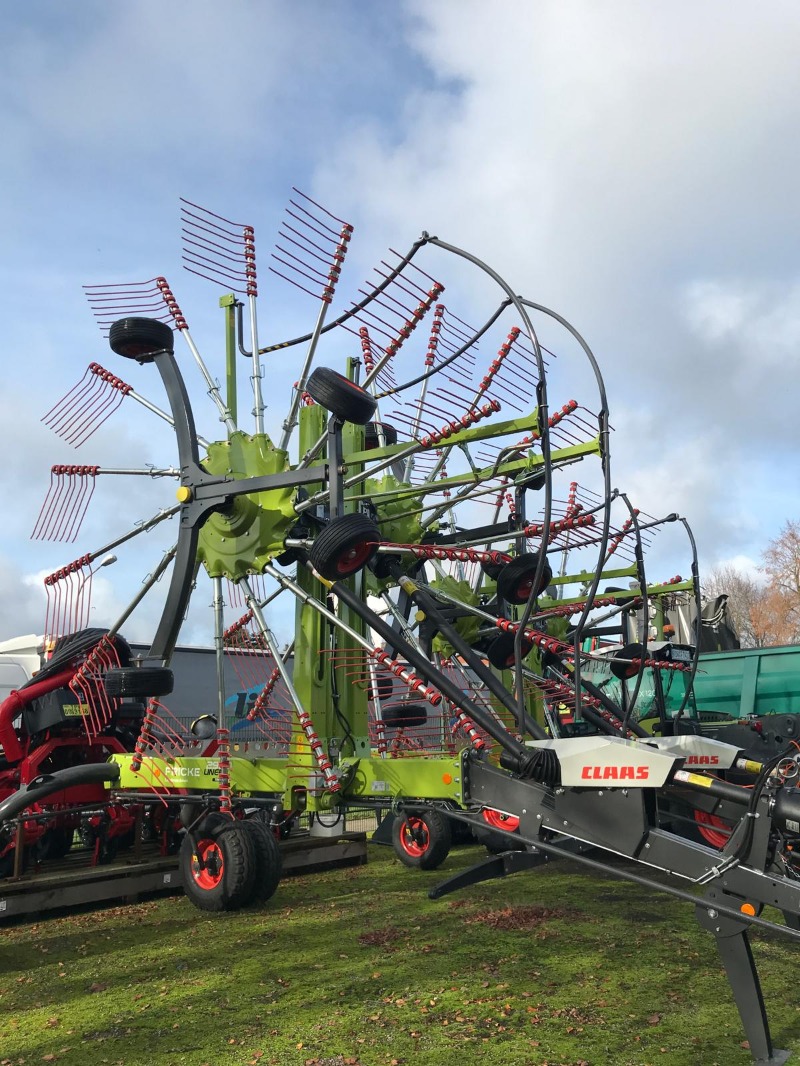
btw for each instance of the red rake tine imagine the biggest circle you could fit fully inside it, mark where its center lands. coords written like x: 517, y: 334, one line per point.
x: 313, y: 239
x: 105, y: 401
x: 61, y: 417
x: 63, y: 503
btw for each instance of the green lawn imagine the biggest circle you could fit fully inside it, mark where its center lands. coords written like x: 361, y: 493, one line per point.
x: 356, y: 967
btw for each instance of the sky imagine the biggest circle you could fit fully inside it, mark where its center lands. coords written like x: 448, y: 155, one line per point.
x: 632, y: 166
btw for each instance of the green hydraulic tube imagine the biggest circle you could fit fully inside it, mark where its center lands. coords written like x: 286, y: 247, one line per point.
x: 228, y: 303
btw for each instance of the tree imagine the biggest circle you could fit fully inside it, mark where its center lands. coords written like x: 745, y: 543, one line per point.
x: 782, y: 566
x: 743, y: 595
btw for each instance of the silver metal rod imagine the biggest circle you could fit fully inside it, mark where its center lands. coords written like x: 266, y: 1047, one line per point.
x: 271, y: 643
x: 161, y: 414
x: 149, y: 582
x: 219, y: 650
x: 258, y: 402
x: 291, y: 418
x: 145, y: 527
x: 169, y: 471
x: 213, y: 387
x: 415, y: 427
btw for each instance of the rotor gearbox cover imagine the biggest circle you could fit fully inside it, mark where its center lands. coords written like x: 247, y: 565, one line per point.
x: 393, y: 500
x: 250, y: 532
x: 467, y: 625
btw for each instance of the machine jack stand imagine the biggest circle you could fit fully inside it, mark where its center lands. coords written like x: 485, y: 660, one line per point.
x: 737, y: 957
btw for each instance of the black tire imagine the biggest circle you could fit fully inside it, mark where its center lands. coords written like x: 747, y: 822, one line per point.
x: 269, y: 864
x: 624, y: 670
x: 500, y: 652
x: 342, y: 397
x: 515, y: 580
x: 55, y: 844
x: 140, y: 338
x: 344, y: 546
x: 421, y: 839
x: 139, y: 681
x: 371, y: 438
x: 495, y: 841
x: 405, y: 715
x: 71, y: 650
x: 218, y: 868
x: 492, y: 570
x: 7, y: 862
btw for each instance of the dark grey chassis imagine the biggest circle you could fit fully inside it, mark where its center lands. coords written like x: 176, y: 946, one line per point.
x: 569, y: 822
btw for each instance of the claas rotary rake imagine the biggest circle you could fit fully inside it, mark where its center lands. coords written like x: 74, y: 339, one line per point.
x: 418, y: 506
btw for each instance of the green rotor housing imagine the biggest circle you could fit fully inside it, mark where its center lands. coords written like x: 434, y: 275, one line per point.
x: 250, y: 532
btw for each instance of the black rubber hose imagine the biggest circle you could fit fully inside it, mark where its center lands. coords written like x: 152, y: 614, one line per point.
x: 46, y: 784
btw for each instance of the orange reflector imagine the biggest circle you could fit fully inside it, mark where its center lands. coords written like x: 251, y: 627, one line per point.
x: 748, y: 908
x: 447, y: 778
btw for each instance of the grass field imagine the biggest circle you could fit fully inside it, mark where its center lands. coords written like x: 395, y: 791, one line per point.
x: 356, y: 967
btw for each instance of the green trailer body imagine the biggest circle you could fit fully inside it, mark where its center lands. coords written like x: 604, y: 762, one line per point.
x: 746, y: 683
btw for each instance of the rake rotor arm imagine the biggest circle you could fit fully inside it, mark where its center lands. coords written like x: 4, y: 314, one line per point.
x: 356, y: 308
x: 426, y: 602
x: 524, y: 760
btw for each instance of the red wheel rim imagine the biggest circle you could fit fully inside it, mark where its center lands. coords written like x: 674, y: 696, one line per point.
x: 709, y: 827
x: 414, y: 837
x: 524, y: 588
x: 499, y: 820
x: 526, y: 647
x: 353, y: 558
x: 208, y: 865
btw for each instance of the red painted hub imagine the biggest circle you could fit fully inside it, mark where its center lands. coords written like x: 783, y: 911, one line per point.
x: 713, y: 830
x: 414, y: 837
x: 524, y: 588
x: 354, y: 558
x: 208, y: 866
x: 499, y: 820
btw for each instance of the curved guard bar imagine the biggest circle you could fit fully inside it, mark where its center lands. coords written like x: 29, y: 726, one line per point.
x: 13, y: 704
x: 47, y: 784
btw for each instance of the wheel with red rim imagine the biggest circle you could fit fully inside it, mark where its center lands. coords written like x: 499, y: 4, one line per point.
x: 492, y: 831
x: 713, y: 830
x: 500, y: 652
x: 218, y: 866
x: 422, y: 839
x: 268, y: 861
x: 626, y: 668
x: 344, y: 546
x: 515, y: 580
x: 342, y: 397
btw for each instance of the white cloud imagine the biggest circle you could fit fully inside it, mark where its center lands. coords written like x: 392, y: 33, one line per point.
x: 632, y: 166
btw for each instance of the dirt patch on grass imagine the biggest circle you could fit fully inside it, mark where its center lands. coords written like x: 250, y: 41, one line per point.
x: 522, y: 918
x: 381, y: 938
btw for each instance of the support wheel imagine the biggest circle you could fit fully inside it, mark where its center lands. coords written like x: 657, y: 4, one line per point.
x: 140, y: 338
x: 372, y: 439
x: 624, y: 670
x: 515, y: 580
x: 139, y: 681
x: 405, y: 715
x: 218, y: 868
x: 500, y: 652
x: 342, y: 397
x: 55, y: 844
x: 268, y: 861
x: 421, y: 839
x: 344, y: 546
x: 488, y: 830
